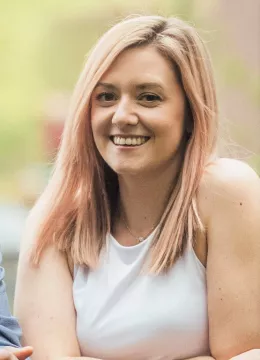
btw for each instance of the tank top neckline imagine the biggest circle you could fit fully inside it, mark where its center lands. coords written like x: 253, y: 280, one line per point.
x: 146, y: 242
x: 138, y: 245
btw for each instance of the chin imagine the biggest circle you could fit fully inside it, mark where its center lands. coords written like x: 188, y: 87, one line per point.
x: 124, y: 169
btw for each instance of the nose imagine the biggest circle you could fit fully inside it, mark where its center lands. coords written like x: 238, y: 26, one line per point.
x: 124, y: 114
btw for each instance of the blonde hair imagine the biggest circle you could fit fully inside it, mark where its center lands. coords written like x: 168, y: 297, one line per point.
x: 75, y: 211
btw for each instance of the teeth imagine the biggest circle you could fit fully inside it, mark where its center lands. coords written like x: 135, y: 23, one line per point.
x: 132, y: 141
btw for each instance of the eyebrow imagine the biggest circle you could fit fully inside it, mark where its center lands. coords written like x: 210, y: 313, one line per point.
x: 142, y: 86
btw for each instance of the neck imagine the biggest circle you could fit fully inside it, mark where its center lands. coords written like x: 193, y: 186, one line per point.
x: 143, y: 199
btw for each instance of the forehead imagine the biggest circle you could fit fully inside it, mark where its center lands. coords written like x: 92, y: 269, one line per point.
x: 141, y: 64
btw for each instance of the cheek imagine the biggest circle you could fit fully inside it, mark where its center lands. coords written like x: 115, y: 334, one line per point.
x: 168, y: 133
x: 96, y: 131
x: 166, y: 118
x: 96, y: 126
x: 168, y: 129
x: 100, y: 121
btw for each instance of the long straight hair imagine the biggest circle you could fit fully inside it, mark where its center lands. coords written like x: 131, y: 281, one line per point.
x: 76, y: 209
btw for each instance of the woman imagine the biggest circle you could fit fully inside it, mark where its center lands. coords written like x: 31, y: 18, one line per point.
x: 146, y: 243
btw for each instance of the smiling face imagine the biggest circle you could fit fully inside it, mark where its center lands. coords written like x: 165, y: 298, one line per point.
x: 137, y: 113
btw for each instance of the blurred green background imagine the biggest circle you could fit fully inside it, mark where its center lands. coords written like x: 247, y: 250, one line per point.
x: 42, y: 50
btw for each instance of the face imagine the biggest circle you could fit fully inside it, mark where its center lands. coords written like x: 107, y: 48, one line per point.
x: 137, y: 113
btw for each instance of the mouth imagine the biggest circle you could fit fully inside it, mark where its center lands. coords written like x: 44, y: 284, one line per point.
x: 129, y: 140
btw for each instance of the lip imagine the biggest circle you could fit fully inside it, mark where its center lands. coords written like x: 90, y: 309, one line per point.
x: 128, y: 147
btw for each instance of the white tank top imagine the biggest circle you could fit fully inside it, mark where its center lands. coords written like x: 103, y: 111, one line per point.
x: 125, y: 314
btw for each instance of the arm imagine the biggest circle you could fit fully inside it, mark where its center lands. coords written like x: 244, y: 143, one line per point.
x: 233, y: 263
x: 10, y: 331
x: 9, y: 328
x: 44, y: 303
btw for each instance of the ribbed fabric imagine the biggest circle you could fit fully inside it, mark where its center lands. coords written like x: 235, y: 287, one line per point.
x: 122, y: 313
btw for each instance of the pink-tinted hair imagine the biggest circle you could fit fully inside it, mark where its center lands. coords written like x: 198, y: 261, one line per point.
x: 75, y: 211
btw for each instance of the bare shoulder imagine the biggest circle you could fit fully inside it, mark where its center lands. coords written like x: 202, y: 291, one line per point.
x: 225, y: 169
x: 227, y: 181
x: 228, y: 174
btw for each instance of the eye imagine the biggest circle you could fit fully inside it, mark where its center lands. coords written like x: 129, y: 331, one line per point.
x: 106, y: 97
x: 149, y: 98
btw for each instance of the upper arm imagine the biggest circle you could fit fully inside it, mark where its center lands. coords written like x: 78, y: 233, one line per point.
x: 233, y: 263
x: 44, y: 303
